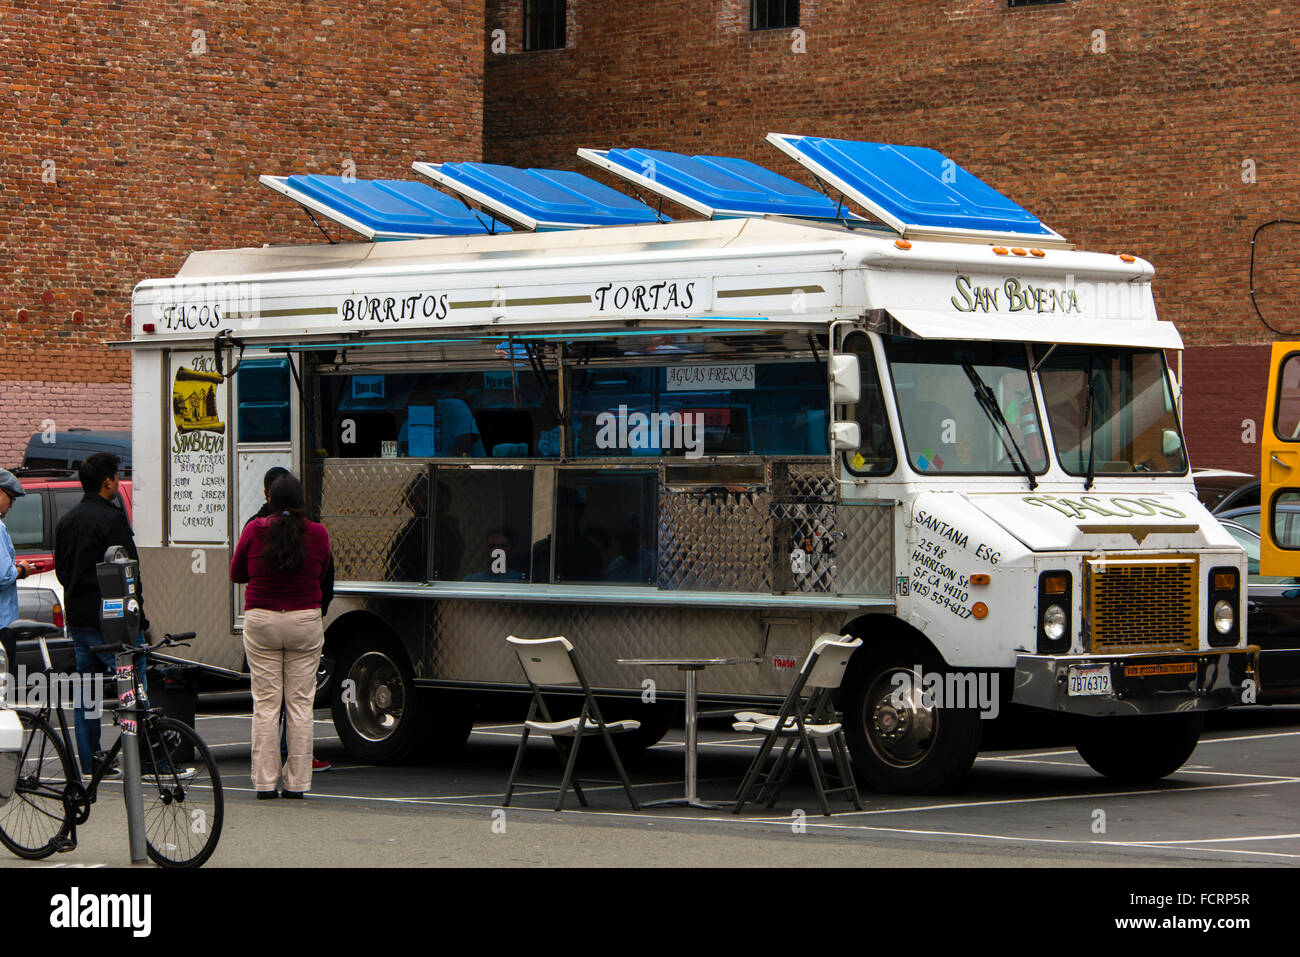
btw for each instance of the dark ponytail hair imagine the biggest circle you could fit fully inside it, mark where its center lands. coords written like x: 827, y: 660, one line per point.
x: 286, y: 549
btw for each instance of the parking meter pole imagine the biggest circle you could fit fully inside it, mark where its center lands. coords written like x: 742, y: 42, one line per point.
x: 119, y: 621
x: 129, y: 728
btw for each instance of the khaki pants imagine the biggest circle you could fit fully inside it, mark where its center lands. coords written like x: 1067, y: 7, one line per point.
x: 283, y: 649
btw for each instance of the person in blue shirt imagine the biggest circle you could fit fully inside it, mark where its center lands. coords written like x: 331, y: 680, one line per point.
x: 11, y: 571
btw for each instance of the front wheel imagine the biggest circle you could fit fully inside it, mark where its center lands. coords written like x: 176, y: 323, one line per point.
x: 37, y: 817
x: 1139, y: 749
x: 183, y: 802
x: 902, y: 743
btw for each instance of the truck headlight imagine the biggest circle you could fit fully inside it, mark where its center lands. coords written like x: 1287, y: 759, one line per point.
x: 1224, y: 600
x: 1224, y: 617
x: 1054, y: 622
x: 1055, y: 598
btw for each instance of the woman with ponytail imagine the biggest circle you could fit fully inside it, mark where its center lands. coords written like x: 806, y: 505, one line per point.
x: 285, y: 559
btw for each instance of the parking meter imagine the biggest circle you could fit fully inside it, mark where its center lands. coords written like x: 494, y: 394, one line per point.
x: 119, y: 622
x: 119, y: 609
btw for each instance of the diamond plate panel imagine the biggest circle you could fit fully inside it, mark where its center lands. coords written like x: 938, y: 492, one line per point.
x: 377, y: 516
x: 864, y: 549
x: 250, y: 476
x: 803, y: 482
x: 810, y: 528
x: 717, y: 541
x: 468, y: 643
x: 176, y: 598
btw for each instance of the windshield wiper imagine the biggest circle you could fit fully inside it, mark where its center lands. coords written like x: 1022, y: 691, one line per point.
x: 1092, y: 432
x: 989, y: 403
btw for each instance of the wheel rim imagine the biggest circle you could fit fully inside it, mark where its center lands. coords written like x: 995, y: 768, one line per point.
x: 183, y: 803
x: 899, y: 726
x: 36, y: 813
x: 378, y: 696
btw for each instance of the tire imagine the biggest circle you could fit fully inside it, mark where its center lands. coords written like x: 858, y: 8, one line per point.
x: 1139, y: 749
x: 444, y: 723
x: 656, y: 721
x: 37, y: 817
x: 908, y: 750
x: 380, y: 716
x: 183, y: 812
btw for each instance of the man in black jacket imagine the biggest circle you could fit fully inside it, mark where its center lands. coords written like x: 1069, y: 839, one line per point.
x: 80, y: 540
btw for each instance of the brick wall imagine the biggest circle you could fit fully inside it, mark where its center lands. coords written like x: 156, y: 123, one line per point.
x: 30, y: 404
x: 135, y: 132
x: 1136, y: 149
x: 1223, y: 405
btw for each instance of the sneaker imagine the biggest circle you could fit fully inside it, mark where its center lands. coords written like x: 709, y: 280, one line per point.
x: 317, y: 765
x: 180, y: 775
x: 112, y: 774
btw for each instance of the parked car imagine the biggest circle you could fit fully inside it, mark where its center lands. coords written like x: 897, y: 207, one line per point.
x: 1220, y: 489
x: 68, y: 448
x: 1272, y: 621
x: 40, y: 614
x: 32, y: 519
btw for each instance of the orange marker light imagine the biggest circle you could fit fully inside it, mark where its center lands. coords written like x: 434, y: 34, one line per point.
x: 1018, y: 251
x: 1000, y: 250
x: 979, y: 610
x: 902, y: 244
x: 980, y: 579
x: 1127, y: 258
x: 1055, y: 584
x: 1223, y: 581
x: 1037, y: 252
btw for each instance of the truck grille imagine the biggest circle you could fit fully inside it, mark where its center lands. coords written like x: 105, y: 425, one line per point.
x: 1142, y: 604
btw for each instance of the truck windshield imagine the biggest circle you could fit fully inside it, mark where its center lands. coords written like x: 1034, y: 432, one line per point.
x: 1131, y: 427
x: 945, y: 428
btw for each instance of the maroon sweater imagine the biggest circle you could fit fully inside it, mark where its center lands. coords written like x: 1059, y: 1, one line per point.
x: 269, y: 589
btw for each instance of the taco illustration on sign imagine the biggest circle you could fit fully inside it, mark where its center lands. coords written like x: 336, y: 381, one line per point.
x: 194, y: 401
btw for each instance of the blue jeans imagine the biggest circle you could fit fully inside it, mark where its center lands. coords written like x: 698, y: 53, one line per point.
x: 92, y: 663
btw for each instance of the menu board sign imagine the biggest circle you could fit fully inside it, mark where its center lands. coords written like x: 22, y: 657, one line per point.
x: 198, y: 449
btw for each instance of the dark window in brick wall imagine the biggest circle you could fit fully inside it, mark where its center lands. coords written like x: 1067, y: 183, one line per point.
x: 1031, y: 3
x: 544, y: 24
x: 773, y: 14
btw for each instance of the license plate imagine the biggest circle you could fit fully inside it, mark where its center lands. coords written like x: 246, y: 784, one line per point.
x: 1088, y: 679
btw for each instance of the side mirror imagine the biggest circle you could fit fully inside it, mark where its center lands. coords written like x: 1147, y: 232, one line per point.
x: 845, y: 436
x: 846, y: 379
x: 1170, y: 443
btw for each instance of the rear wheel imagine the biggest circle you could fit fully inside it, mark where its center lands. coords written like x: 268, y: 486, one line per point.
x: 382, y: 718
x: 37, y: 818
x: 900, y: 744
x: 1139, y: 748
x: 184, y: 806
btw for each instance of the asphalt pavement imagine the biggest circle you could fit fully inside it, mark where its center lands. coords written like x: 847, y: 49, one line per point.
x: 1231, y: 805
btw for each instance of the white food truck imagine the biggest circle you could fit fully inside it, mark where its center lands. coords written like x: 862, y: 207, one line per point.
x: 941, y: 429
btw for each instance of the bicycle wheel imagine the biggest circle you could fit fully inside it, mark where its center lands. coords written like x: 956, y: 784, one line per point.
x: 183, y: 803
x: 36, y: 818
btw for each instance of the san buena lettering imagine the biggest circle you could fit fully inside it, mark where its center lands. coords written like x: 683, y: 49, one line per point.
x: 1116, y: 506
x: 1017, y: 298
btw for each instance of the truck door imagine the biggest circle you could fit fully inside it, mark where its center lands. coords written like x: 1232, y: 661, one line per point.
x: 1279, y: 493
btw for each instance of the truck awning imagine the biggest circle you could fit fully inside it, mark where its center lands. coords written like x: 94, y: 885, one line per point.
x: 1033, y: 327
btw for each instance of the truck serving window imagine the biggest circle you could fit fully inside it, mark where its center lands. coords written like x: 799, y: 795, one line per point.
x: 263, y: 388
x: 694, y: 409
x: 482, y: 525
x: 946, y: 429
x: 480, y: 414
x: 1131, y: 427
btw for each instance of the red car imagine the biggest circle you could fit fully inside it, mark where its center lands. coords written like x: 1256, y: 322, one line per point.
x: 33, y: 518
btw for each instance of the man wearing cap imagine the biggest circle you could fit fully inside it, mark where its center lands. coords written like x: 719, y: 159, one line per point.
x: 80, y: 540
x: 11, y: 572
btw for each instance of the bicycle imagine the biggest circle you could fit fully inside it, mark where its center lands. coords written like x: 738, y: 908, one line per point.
x: 184, y: 804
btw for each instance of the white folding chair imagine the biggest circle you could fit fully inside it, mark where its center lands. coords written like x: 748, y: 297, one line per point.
x: 800, y: 723
x: 551, y: 663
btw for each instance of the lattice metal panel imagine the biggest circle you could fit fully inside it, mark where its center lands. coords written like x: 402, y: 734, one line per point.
x: 864, y: 549
x: 719, y: 541
x: 469, y: 643
x: 377, y: 515
x: 805, y: 483
x: 1143, y: 605
x: 177, y: 598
